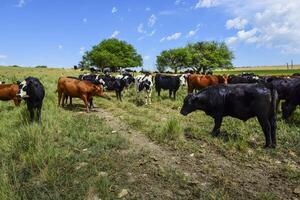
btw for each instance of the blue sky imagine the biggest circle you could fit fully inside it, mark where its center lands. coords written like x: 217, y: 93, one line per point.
x: 56, y: 33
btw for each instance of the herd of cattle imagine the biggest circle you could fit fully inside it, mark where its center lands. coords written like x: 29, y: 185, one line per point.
x: 240, y: 96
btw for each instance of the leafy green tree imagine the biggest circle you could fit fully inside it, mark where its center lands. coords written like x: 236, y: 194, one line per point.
x: 209, y: 55
x: 174, y: 58
x: 113, y: 53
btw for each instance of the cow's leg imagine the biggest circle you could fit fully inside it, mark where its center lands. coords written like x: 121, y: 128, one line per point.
x: 91, y: 102
x: 63, y: 99
x: 39, y: 114
x: 158, y: 92
x: 71, y: 104
x: 31, y: 113
x: 85, y: 100
x: 59, y: 97
x: 190, y: 89
x: 266, y: 127
x: 120, y: 95
x: 272, y: 121
x: 170, y: 94
x: 218, y: 121
x: 149, y: 97
x: 117, y: 94
x: 17, y: 101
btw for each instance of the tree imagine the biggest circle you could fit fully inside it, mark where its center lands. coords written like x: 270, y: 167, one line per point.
x: 209, y: 55
x: 174, y: 58
x: 113, y: 53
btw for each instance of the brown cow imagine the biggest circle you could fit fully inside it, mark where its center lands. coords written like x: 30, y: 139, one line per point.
x: 9, y: 92
x: 199, y: 82
x: 78, y: 88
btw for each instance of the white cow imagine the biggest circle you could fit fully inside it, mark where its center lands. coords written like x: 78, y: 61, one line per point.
x: 144, y: 83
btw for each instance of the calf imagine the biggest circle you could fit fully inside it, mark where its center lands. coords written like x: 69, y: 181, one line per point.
x: 9, y: 92
x: 167, y: 82
x: 33, y: 92
x: 292, y: 101
x: 242, y: 101
x: 78, y: 88
x: 144, y: 83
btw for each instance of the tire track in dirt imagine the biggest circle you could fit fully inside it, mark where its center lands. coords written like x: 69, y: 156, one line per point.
x: 207, y: 167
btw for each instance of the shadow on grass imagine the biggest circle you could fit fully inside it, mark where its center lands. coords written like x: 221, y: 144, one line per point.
x: 78, y: 108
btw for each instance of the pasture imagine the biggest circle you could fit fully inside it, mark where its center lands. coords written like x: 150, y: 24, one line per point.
x: 132, y: 151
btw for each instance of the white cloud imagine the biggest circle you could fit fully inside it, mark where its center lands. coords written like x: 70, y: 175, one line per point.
x: 115, y: 34
x: 167, y: 12
x: 148, y: 9
x: 146, y: 57
x: 2, y: 56
x: 21, y: 3
x: 152, y: 33
x: 192, y: 33
x: 207, y: 3
x: 236, y: 23
x: 175, y: 36
x: 270, y: 23
x: 81, y: 50
x: 140, y: 28
x: 60, y: 47
x: 84, y: 20
x: 178, y: 2
x: 114, y: 10
x: 152, y: 20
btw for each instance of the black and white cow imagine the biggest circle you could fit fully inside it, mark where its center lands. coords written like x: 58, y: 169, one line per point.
x: 168, y: 82
x: 33, y: 92
x: 144, y: 83
x: 242, y: 101
x: 93, y: 78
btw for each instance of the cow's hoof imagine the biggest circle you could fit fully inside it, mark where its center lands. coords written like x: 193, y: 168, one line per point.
x: 215, y: 133
x: 269, y: 146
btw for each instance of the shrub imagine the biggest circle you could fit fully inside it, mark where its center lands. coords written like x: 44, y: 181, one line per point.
x: 172, y: 130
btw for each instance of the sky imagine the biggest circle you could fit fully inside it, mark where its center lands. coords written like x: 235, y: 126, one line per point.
x: 57, y: 32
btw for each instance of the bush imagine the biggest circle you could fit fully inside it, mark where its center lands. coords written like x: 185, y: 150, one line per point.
x: 172, y: 130
x: 41, y: 66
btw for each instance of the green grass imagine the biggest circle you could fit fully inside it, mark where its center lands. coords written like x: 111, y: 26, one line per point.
x: 74, y: 155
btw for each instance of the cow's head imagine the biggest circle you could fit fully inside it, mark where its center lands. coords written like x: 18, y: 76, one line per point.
x: 23, y: 88
x: 189, y: 104
x: 182, y: 79
x: 145, y: 85
x: 98, y: 90
x: 287, y: 110
x: 192, y: 102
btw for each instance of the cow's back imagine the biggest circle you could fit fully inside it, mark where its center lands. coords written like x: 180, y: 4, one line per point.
x: 73, y: 87
x: 167, y: 82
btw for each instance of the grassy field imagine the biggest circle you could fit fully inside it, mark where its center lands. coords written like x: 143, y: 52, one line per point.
x: 132, y: 151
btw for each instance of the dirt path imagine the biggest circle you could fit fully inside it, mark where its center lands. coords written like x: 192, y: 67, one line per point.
x: 208, y: 168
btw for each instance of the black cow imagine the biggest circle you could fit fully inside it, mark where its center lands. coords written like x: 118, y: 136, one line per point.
x: 33, y: 92
x: 244, y: 78
x: 119, y: 85
x: 292, y: 101
x: 171, y: 83
x: 242, y: 101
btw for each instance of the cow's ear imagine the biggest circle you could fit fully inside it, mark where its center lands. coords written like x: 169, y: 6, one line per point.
x: 18, y: 82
